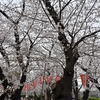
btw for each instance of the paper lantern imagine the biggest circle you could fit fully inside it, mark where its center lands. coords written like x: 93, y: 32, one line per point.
x: 57, y: 78
x: 48, y: 79
x: 41, y: 79
x: 26, y: 88
x: 34, y: 83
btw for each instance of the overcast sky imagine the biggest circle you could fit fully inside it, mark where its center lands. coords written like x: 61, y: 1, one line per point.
x: 6, y: 1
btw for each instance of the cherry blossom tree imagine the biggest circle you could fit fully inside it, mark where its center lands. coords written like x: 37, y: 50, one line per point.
x: 20, y: 34
x: 46, y: 36
x: 75, y: 24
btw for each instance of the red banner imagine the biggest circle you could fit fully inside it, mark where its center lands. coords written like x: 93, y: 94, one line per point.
x: 84, y: 79
x: 48, y: 79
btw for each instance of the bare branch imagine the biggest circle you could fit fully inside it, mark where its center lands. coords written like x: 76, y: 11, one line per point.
x: 83, y: 2
x: 66, y: 5
x: 60, y: 9
x: 23, y: 8
x: 84, y: 37
x: 6, y: 16
x: 51, y: 10
x: 87, y: 15
x: 47, y: 15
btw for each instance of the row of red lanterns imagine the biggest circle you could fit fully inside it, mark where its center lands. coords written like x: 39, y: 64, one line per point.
x: 34, y: 83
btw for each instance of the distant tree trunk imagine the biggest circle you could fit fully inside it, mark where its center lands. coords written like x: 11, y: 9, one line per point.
x: 76, y: 96
x: 2, y: 97
x: 4, y: 84
x: 86, y: 93
x: 35, y: 96
x: 16, y: 95
x: 76, y: 90
x: 48, y: 94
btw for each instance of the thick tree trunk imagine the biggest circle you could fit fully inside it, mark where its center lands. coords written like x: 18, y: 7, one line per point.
x: 16, y: 95
x: 63, y: 89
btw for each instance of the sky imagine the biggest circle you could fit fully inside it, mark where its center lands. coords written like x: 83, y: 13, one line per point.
x: 7, y: 1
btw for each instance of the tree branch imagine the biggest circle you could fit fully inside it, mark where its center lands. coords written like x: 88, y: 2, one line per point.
x: 4, y: 54
x: 47, y: 15
x: 84, y: 37
x: 23, y: 8
x: 51, y: 10
x: 6, y: 16
x: 65, y: 5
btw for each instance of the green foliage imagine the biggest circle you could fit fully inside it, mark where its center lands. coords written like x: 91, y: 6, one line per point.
x: 23, y: 95
x: 30, y: 96
x: 91, y: 98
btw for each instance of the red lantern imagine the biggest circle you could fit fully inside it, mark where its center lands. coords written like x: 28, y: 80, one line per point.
x: 26, y: 87
x: 48, y: 79
x: 34, y: 83
x: 41, y: 79
x: 57, y: 78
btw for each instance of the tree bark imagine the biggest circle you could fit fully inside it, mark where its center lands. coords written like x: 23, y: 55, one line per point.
x: 48, y: 94
x: 16, y: 95
x: 2, y: 97
x: 76, y: 90
x: 85, y: 95
x: 4, y: 83
x: 86, y: 92
x: 63, y: 89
